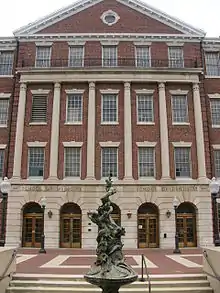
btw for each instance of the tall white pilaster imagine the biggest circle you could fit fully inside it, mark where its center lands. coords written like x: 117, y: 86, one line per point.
x: 19, y: 132
x: 127, y: 132
x: 91, y: 133
x: 199, y: 132
x: 165, y: 157
x: 54, y: 143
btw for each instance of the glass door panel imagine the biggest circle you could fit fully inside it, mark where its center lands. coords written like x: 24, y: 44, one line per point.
x: 71, y: 231
x: 152, y: 228
x: 32, y: 229
x: 181, y: 232
x: 38, y: 231
x: 76, y: 233
x: 142, y: 233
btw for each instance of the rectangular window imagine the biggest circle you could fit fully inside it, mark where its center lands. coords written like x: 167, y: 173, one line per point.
x: 215, y: 112
x: 217, y: 163
x: 43, y: 56
x: 146, y: 161
x: 74, y: 108
x: 212, y: 60
x: 109, y: 56
x: 109, y: 161
x: 179, y: 109
x: 182, y: 162
x: 4, y: 104
x: 36, y: 162
x: 76, y: 56
x: 145, y: 108
x: 143, y: 57
x: 6, y: 63
x: 109, y: 108
x: 72, y: 161
x: 39, y: 109
x: 176, y: 59
x: 2, y: 152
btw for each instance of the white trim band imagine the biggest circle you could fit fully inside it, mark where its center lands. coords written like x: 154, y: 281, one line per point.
x: 75, y: 144
x: 109, y: 91
x: 109, y: 43
x: 109, y: 144
x: 144, y: 91
x: 74, y: 91
x: 216, y: 146
x: 179, y: 92
x: 175, y: 44
x: 181, y: 144
x: 150, y: 144
x: 142, y: 43
x: 40, y: 92
x: 214, y: 96
x: 76, y: 43
x: 43, y: 44
x: 5, y: 96
x: 36, y: 143
x: 3, y: 146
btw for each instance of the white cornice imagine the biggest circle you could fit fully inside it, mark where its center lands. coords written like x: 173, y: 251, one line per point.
x: 5, y: 96
x: 150, y: 144
x: 144, y: 91
x: 3, y: 146
x: 109, y: 144
x: 7, y: 43
x: 40, y: 92
x: 216, y: 146
x: 36, y: 144
x: 73, y: 144
x: 74, y: 91
x: 109, y: 91
x: 85, y: 4
x: 178, y: 92
x: 181, y: 144
x: 214, y: 96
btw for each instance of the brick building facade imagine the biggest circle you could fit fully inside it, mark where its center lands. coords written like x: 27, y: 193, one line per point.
x: 110, y: 86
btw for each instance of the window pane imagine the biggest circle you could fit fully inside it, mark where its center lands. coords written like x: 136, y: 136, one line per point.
x: 72, y: 162
x: 4, y: 104
x: 36, y: 162
x: 109, y: 108
x: 74, y: 108
x: 6, y: 63
x: 215, y: 111
x: 39, y: 109
x: 109, y: 55
x: 182, y: 162
x: 143, y: 56
x: 146, y: 159
x: 212, y: 60
x: 109, y: 161
x: 179, y: 109
x: 145, y: 111
x: 217, y: 163
x: 1, y: 162
x: 43, y: 56
x: 76, y: 56
x: 176, y: 57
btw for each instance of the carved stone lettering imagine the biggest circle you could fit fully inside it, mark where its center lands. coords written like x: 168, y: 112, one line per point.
x: 147, y: 189
x: 47, y: 188
x: 179, y: 188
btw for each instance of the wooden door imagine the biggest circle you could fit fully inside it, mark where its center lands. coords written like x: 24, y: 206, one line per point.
x: 116, y: 218
x: 32, y: 230
x: 186, y: 228
x: 148, y: 231
x: 70, y: 231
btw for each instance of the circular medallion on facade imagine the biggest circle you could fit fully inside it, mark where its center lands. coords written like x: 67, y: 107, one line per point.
x: 110, y: 17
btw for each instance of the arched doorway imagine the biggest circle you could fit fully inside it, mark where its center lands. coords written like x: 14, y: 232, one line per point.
x: 116, y: 214
x: 32, y: 225
x: 186, y: 224
x: 148, y: 226
x: 70, y: 226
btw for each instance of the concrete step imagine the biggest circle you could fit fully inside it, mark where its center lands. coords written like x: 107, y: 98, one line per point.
x: 84, y: 284
x: 94, y: 290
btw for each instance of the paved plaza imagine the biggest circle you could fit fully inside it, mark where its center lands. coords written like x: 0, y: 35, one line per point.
x: 77, y: 261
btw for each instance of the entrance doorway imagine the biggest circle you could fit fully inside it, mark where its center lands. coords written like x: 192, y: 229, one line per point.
x: 32, y: 225
x: 186, y: 225
x: 148, y: 226
x: 116, y: 214
x: 70, y: 226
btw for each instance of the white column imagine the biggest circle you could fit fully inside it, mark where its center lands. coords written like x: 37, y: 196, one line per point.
x: 54, y: 143
x: 127, y: 132
x: 19, y: 132
x: 199, y: 132
x: 91, y: 133
x: 165, y: 158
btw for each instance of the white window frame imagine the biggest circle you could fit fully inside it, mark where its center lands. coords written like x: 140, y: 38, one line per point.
x: 44, y: 45
x: 109, y: 92
x: 36, y: 144
x: 146, y: 144
x: 136, y: 57
x: 180, y: 93
x: 72, y: 144
x: 216, y: 147
x: 74, y: 92
x: 5, y: 97
x: 149, y: 93
x: 2, y: 148
x: 171, y: 62
x: 110, y: 144
x: 217, y: 51
x: 211, y: 98
x: 116, y: 55
x: 81, y: 45
x: 187, y: 145
x: 3, y: 51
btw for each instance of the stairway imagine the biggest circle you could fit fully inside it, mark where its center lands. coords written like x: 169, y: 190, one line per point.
x: 192, y: 283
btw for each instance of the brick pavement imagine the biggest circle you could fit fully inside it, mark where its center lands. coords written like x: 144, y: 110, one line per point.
x: 78, y: 261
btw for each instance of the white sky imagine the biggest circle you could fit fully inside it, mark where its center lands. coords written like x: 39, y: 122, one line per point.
x: 203, y: 14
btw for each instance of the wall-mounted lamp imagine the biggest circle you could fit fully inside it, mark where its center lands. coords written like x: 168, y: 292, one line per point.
x: 168, y: 214
x: 50, y: 214
x: 129, y: 214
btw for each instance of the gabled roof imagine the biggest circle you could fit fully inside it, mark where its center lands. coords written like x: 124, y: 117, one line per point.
x: 137, y: 5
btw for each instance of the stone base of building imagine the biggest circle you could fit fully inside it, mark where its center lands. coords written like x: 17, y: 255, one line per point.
x: 145, y: 211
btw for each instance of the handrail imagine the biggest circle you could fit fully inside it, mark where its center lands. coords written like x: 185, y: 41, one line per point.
x: 4, y: 275
x: 144, y: 264
x: 216, y: 276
